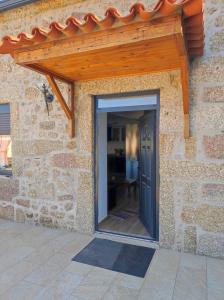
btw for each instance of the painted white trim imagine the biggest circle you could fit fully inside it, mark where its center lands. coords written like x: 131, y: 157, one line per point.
x: 127, y: 101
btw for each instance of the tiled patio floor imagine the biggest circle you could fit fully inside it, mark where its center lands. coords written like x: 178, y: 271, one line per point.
x: 35, y: 263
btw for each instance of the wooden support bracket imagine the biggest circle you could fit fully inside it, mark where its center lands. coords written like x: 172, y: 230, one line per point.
x: 185, y: 90
x: 69, y: 112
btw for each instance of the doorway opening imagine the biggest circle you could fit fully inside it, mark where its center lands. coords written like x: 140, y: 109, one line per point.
x: 126, y: 166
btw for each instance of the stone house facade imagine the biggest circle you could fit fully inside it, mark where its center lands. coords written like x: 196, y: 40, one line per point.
x: 53, y: 175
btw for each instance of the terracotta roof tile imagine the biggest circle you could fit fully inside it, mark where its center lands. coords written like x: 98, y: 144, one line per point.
x: 191, y: 10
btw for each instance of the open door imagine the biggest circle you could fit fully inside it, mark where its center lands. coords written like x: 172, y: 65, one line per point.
x: 147, y: 171
x: 125, y: 136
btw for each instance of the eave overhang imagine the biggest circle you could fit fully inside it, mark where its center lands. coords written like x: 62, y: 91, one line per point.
x: 142, y: 42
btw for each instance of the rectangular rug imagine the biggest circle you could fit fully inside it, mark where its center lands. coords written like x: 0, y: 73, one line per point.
x: 125, y: 258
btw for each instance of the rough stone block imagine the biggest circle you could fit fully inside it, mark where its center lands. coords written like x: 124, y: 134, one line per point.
x: 70, y: 161
x: 71, y: 145
x: 213, y: 94
x: 44, y: 210
x: 7, y: 212
x: 65, y: 197
x: 190, y: 192
x: 190, y: 239
x: 211, y: 244
x: 208, y: 217
x: 9, y: 188
x: 20, y: 215
x: 190, y: 148
x: 208, y: 70
x: 47, y: 125
x: 219, y: 21
x: 166, y: 214
x: 32, y: 93
x: 36, y: 147
x: 214, y: 146
x: 191, y: 169
x: 85, y: 203
x: 217, y: 41
x: 46, y: 220
x: 188, y: 215
x: 58, y: 214
x: 23, y: 202
x: 213, y: 191
x: 68, y: 206
x: 166, y: 144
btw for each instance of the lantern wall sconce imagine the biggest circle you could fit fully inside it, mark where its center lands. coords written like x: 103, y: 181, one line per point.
x: 48, y: 96
x: 52, y: 91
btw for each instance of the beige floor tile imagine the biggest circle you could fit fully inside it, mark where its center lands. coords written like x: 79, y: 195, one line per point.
x: 35, y: 263
x: 5, y: 287
x: 215, y: 278
x: 13, y: 256
x: 95, y: 284
x: 154, y: 294
x: 75, y: 246
x: 60, y: 259
x: 128, y: 281
x: 16, y: 273
x: 78, y: 268
x: 157, y: 286
x: 61, y: 287
x: 22, y: 291
x: 215, y: 294
x: 43, y: 253
x: 118, y: 292
x: 193, y: 261
x: 190, y: 284
x: 44, y: 274
x: 164, y: 263
x: 90, y: 292
x: 215, y: 273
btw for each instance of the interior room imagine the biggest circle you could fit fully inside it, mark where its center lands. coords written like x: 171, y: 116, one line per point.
x: 123, y: 205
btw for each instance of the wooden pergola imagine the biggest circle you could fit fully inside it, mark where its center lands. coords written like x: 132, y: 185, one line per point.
x: 144, y: 41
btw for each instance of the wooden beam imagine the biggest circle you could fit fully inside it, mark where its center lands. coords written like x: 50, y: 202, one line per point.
x: 185, y: 91
x: 71, y: 122
x: 69, y: 112
x: 45, y: 71
x: 59, y: 96
x: 102, y: 39
x: 184, y: 67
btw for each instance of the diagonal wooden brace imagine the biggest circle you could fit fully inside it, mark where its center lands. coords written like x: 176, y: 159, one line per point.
x: 69, y: 112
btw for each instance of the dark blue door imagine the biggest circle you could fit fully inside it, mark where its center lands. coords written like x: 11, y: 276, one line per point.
x: 147, y: 172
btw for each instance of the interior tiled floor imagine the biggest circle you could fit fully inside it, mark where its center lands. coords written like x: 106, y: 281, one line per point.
x: 35, y: 263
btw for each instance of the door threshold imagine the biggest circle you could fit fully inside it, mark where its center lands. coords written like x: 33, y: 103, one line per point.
x: 138, y: 241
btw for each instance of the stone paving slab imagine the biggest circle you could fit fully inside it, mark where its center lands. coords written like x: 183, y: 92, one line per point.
x: 35, y: 263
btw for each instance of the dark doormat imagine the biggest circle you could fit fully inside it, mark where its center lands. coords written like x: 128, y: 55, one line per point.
x: 119, y: 257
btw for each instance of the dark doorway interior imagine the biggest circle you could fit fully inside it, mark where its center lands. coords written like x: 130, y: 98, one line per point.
x: 129, y: 166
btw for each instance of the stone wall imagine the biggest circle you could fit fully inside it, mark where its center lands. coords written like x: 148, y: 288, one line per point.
x: 52, y: 180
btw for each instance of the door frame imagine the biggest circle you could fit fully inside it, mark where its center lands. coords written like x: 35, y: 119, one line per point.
x: 156, y: 108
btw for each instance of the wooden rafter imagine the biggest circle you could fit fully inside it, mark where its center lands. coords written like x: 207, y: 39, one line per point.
x: 184, y: 68
x: 142, y: 42
x: 185, y: 92
x: 69, y: 112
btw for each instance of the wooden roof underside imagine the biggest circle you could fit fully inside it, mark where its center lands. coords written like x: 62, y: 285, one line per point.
x: 141, y: 42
